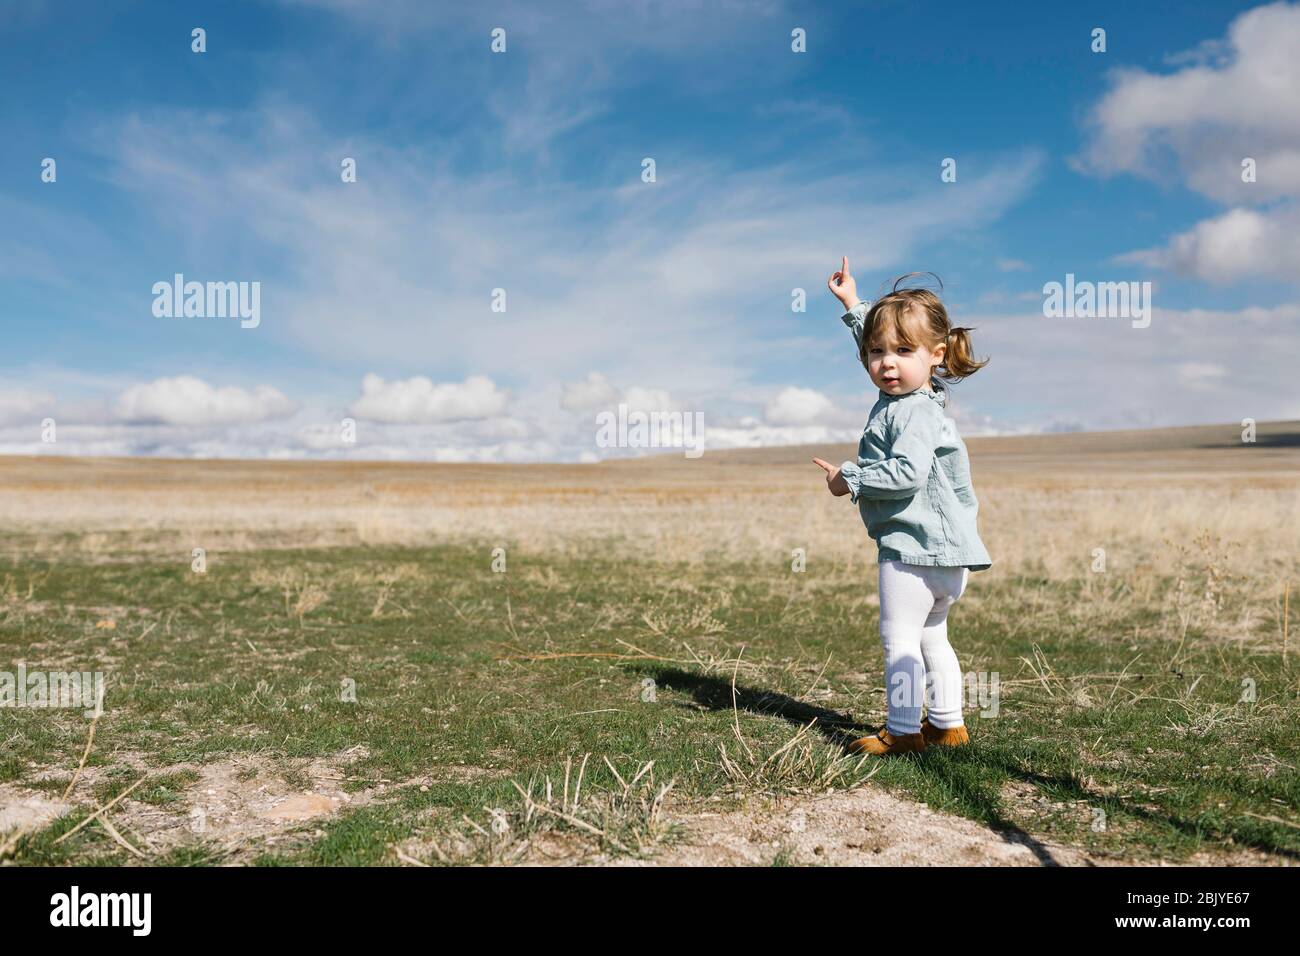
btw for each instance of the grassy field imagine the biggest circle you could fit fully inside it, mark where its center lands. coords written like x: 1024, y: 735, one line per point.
x: 428, y: 664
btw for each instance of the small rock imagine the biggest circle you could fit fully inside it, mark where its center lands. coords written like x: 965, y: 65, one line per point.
x: 303, y: 806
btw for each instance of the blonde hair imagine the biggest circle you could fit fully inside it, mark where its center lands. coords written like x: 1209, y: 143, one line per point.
x: 929, y: 326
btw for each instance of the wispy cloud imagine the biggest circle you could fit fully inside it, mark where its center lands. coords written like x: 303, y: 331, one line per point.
x: 639, y: 279
x: 500, y: 272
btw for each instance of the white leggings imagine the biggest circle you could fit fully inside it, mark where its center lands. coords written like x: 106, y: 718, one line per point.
x: 914, y: 602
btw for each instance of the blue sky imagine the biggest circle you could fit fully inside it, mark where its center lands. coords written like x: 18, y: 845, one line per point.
x: 522, y: 171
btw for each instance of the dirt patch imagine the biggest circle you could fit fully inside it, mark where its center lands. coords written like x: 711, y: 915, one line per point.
x: 301, y: 806
x: 237, y: 806
x: 22, y: 811
x: 247, y: 800
x: 864, y: 826
x: 867, y: 826
x: 245, y: 804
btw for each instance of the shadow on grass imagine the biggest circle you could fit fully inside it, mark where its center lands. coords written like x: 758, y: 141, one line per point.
x: 1113, y: 805
x: 715, y: 694
x: 840, y: 729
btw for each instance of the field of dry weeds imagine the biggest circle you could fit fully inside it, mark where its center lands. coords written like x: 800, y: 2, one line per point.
x: 1116, y: 670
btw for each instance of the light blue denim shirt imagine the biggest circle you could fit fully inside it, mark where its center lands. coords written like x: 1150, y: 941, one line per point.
x: 912, y: 481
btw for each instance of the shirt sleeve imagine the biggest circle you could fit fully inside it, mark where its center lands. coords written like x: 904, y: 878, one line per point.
x: 914, y: 435
x: 853, y: 478
x: 855, y: 318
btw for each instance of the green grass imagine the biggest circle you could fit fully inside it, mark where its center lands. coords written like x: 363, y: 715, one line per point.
x: 1124, y: 712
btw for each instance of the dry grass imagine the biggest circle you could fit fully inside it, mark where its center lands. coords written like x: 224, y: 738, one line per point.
x: 677, y: 573
x: 555, y: 816
x: 1192, y: 504
x: 1046, y: 504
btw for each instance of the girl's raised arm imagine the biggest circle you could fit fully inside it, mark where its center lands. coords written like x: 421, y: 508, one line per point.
x: 843, y: 287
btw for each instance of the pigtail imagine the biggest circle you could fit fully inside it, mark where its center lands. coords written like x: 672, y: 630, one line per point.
x: 959, y: 360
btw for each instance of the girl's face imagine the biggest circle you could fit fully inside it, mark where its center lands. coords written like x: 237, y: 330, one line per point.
x: 898, y: 368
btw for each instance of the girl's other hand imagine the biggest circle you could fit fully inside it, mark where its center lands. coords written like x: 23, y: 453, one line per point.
x: 842, y: 285
x: 834, y: 480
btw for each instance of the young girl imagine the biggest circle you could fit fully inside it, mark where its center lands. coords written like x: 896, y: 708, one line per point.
x: 912, y: 484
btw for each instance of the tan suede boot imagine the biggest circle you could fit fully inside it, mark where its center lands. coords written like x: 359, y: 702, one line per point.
x: 882, y: 743
x: 950, y: 737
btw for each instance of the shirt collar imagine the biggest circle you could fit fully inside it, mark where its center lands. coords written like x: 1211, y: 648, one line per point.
x: 939, y: 393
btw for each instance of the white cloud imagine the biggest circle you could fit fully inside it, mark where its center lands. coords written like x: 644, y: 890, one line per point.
x: 1122, y: 377
x: 793, y: 416
x: 758, y: 435
x: 418, y: 400
x: 24, y: 406
x: 651, y: 400
x: 1238, y: 244
x: 186, y: 400
x: 1233, y: 99
x: 594, y: 392
x: 321, y: 437
x: 1201, y: 374
x: 798, y: 406
x: 598, y: 393
x: 1208, y: 117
